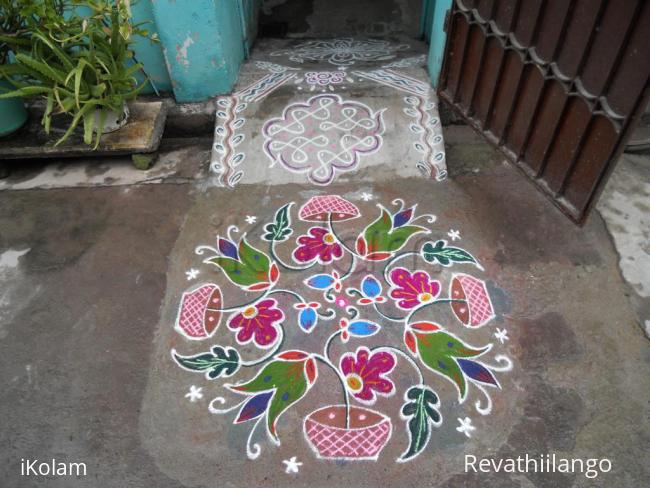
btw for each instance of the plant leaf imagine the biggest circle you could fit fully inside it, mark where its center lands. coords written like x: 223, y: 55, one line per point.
x: 45, y: 70
x: 446, y: 255
x: 77, y: 82
x: 26, y: 91
x: 220, y: 361
x: 421, y: 412
x: 59, y: 53
x: 100, y: 126
x: 89, y: 123
x: 75, y: 120
x: 280, y: 229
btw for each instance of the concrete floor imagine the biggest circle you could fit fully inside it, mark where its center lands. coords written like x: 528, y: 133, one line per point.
x: 93, y: 269
x: 625, y: 207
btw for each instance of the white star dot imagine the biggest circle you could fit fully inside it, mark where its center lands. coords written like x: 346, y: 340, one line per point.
x: 194, y: 394
x: 502, y: 335
x: 466, y: 426
x: 251, y: 219
x: 366, y: 197
x: 192, y: 274
x: 293, y: 466
x: 453, y: 235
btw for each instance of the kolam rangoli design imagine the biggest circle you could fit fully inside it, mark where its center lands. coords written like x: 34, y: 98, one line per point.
x: 377, y: 290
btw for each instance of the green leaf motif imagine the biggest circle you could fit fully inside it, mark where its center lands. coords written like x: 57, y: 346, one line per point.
x: 380, y: 235
x: 289, y: 381
x: 253, y: 258
x: 446, y: 255
x: 220, y: 361
x: 280, y: 229
x: 397, y: 238
x: 376, y: 234
x: 237, y: 272
x: 421, y: 412
x: 438, y: 351
x: 251, y: 269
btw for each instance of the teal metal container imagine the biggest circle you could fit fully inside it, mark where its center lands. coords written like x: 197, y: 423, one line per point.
x: 13, y: 113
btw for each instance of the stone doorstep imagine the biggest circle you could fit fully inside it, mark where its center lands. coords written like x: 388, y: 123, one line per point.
x: 197, y: 119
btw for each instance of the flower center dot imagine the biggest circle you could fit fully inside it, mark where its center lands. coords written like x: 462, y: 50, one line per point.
x: 250, y: 312
x: 355, y: 383
x: 425, y: 297
x: 329, y: 238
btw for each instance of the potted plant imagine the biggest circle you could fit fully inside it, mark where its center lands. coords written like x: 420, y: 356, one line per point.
x: 81, y: 64
x: 13, y: 113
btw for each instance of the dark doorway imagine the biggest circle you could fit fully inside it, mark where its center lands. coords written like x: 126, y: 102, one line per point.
x: 340, y: 18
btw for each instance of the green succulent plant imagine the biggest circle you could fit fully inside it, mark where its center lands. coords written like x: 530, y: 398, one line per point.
x: 82, y: 64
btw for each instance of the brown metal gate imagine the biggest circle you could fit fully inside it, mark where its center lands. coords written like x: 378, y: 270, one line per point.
x: 555, y: 84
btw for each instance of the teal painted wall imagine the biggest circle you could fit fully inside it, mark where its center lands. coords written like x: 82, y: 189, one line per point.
x: 203, y: 45
x: 150, y: 53
x: 438, y: 38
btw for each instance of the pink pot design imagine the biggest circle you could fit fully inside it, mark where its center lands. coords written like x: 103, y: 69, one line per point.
x: 477, y: 309
x: 320, y: 208
x: 366, y: 436
x: 200, y: 312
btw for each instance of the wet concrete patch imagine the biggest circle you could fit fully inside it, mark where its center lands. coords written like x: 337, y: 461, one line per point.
x: 551, y: 420
x: 97, y: 170
x: 75, y: 349
x: 547, y: 338
x: 53, y: 248
x: 528, y: 211
x: 179, y: 160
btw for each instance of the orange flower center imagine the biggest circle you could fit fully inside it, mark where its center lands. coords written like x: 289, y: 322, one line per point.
x: 425, y: 297
x: 329, y: 238
x: 249, y: 313
x: 355, y: 383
